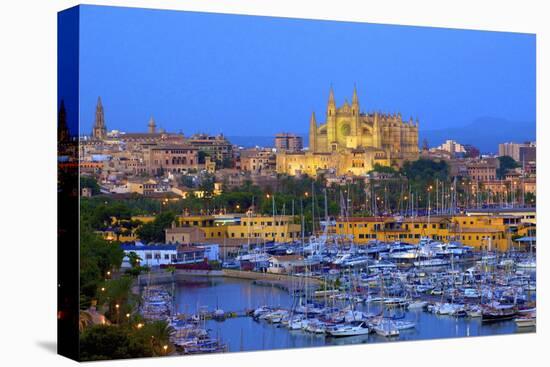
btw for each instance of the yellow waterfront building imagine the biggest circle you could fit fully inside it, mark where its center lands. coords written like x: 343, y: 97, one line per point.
x: 236, y: 228
x: 206, y: 223
x: 352, y: 142
x: 480, y: 232
x: 280, y: 228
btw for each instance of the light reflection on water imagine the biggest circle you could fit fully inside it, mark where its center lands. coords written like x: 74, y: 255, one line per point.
x: 245, y: 334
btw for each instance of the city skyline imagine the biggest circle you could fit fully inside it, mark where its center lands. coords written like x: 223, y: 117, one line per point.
x: 234, y: 78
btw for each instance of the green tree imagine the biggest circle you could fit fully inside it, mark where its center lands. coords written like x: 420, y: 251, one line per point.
x: 383, y: 169
x: 97, y: 256
x: 101, y: 342
x: 134, y: 259
x: 159, y: 333
x: 91, y: 183
x: 506, y: 163
x: 118, y: 296
x: 154, y: 231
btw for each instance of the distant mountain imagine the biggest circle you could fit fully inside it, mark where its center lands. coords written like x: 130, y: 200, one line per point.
x: 484, y: 133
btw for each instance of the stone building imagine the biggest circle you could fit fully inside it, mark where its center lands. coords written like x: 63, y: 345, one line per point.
x: 352, y: 142
x: 520, y: 152
x: 171, y: 158
x: 483, y: 169
x: 288, y: 142
x: 257, y: 160
x: 217, y: 147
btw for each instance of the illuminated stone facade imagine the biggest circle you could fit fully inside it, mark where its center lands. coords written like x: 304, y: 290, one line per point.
x: 352, y: 142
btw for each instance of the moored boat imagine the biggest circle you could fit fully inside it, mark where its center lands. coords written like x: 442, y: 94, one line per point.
x: 349, y: 329
x: 526, y: 321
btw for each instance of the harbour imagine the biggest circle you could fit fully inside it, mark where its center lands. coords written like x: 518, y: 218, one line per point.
x: 486, y: 295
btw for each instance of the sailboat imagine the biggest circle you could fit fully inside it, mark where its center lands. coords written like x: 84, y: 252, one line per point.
x: 529, y: 263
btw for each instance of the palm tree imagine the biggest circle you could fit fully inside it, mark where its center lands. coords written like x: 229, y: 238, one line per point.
x: 134, y: 259
x: 160, y: 333
x: 118, y: 295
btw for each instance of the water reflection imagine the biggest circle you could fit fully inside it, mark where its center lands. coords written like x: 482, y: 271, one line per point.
x: 245, y: 334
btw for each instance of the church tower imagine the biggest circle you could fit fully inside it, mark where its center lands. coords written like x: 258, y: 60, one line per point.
x: 331, y: 118
x: 312, y: 133
x: 355, y: 128
x: 152, y: 126
x: 99, y: 131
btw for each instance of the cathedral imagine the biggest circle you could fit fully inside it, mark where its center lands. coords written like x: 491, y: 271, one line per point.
x: 352, y: 142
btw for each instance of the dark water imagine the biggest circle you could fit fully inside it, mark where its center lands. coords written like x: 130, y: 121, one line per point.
x: 245, y: 334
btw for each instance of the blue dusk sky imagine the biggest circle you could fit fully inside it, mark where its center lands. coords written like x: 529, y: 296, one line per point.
x: 256, y: 76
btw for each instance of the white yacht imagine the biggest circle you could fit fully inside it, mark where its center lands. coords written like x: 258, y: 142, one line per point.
x: 349, y: 329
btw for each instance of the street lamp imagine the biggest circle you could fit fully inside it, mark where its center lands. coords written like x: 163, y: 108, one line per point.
x: 165, y: 347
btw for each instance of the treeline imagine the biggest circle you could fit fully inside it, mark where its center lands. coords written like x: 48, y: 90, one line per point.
x: 115, y: 329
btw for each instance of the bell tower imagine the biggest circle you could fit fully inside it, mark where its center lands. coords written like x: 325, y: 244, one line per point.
x: 100, y: 130
x: 152, y: 126
x: 331, y: 118
x: 355, y: 113
x: 312, y: 133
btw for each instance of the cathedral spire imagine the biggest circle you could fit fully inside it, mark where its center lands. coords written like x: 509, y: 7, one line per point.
x: 152, y: 126
x: 331, y: 117
x: 331, y: 97
x: 355, y: 99
x: 312, y: 120
x: 312, y: 132
x: 100, y: 129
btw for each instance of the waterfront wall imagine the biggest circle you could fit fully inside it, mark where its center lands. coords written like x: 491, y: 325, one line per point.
x: 163, y: 277
x: 270, y: 277
x: 179, y: 275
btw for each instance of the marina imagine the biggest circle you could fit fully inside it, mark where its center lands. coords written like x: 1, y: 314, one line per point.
x: 472, y: 294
